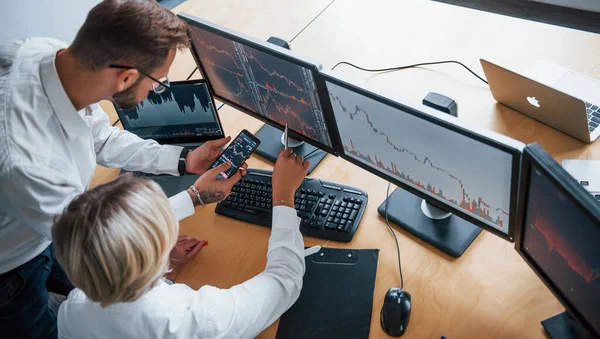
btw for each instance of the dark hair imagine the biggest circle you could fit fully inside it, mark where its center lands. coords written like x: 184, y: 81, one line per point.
x: 137, y: 33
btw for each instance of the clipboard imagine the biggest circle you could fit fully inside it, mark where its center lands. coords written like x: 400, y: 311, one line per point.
x: 336, y: 300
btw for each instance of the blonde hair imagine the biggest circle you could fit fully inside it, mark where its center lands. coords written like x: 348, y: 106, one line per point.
x: 114, y: 241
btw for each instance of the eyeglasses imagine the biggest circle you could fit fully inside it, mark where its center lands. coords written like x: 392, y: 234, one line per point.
x: 163, y: 83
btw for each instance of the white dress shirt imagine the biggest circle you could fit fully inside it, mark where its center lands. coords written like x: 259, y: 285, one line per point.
x: 49, y: 151
x: 177, y: 311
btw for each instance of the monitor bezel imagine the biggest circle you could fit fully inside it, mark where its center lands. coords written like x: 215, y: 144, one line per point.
x: 535, y: 156
x: 181, y: 140
x: 279, y: 52
x: 515, y: 152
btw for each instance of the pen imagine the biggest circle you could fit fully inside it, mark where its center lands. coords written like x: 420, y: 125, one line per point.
x: 285, y: 137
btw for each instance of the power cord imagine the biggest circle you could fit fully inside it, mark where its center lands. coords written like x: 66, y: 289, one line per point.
x: 387, y: 199
x: 116, y: 122
x: 409, y: 66
x: 311, y: 153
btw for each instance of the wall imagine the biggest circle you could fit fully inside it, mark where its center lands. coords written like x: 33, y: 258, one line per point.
x: 58, y: 19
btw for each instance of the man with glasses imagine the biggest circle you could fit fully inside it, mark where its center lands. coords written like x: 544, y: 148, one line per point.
x: 53, y: 133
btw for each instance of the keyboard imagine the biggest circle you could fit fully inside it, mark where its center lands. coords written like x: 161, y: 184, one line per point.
x: 328, y: 210
x: 593, y: 113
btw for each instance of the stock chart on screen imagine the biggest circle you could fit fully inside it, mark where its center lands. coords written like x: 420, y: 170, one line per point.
x: 184, y: 110
x: 272, y: 87
x: 562, y: 241
x: 236, y: 153
x: 452, y: 168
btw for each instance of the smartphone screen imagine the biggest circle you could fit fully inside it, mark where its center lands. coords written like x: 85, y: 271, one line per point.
x: 237, y: 152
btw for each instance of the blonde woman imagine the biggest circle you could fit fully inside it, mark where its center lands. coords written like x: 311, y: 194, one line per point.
x: 114, y: 242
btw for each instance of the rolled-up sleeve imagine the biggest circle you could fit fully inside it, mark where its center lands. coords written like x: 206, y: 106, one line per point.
x: 116, y: 148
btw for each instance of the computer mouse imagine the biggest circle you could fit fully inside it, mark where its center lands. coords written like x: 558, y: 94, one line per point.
x: 395, y: 312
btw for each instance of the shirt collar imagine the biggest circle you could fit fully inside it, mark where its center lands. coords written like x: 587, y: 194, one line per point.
x: 72, y: 123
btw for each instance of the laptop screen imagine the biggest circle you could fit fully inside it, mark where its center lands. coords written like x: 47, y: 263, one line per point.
x: 184, y: 113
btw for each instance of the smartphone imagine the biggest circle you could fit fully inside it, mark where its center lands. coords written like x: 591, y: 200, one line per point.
x: 237, y: 152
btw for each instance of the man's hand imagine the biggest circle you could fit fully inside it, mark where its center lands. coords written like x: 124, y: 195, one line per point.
x: 185, y: 250
x: 213, y: 189
x: 198, y: 160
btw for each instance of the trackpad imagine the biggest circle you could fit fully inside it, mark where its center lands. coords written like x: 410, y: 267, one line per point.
x: 580, y: 87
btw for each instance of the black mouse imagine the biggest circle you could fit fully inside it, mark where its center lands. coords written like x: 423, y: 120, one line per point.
x: 395, y: 312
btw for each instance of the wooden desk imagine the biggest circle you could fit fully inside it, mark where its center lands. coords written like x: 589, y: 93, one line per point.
x: 487, y: 293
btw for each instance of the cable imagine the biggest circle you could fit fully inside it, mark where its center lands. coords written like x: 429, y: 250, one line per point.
x: 409, y: 66
x: 311, y: 153
x: 387, y: 199
x: 194, y: 71
x: 116, y: 122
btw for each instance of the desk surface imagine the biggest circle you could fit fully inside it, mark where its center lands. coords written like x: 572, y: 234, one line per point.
x: 487, y: 293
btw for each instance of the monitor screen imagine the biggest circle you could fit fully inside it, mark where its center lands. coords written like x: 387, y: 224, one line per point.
x: 184, y: 111
x: 261, y: 81
x: 561, y: 239
x: 430, y: 157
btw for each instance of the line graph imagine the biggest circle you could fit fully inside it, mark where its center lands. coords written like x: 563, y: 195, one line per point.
x: 263, y: 83
x: 184, y: 110
x: 432, y: 159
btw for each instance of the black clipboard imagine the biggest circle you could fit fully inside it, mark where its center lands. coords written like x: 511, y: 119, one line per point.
x: 336, y: 298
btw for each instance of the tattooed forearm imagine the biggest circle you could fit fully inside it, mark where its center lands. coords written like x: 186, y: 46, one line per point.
x: 211, y: 196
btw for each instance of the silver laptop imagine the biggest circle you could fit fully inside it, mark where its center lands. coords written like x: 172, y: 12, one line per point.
x: 185, y: 115
x: 586, y: 172
x: 560, y: 98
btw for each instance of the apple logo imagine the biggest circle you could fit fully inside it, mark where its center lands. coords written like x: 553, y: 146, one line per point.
x: 533, y: 101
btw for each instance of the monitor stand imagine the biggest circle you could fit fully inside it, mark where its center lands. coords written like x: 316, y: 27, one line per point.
x: 271, y: 142
x: 562, y: 326
x: 442, y: 230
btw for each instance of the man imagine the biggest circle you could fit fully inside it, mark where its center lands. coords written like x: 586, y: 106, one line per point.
x: 53, y: 133
x: 114, y: 246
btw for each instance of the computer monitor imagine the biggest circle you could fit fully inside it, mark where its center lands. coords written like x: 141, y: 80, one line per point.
x: 558, y: 233
x: 265, y: 81
x: 430, y: 156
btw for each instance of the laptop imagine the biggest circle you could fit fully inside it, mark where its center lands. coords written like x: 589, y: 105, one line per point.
x: 184, y: 115
x: 560, y: 98
x: 586, y: 172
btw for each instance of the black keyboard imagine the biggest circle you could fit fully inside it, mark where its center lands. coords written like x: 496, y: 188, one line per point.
x: 593, y: 113
x: 328, y: 210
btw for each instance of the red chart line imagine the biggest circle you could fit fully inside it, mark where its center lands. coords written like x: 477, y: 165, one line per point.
x: 425, y: 161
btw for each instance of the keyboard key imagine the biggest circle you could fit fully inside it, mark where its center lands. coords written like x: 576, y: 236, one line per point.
x: 323, y: 200
x: 240, y: 207
x: 340, y: 227
x: 595, y: 119
x: 336, y: 220
x: 594, y: 108
x: 330, y: 219
x: 226, y: 203
x: 345, y: 216
x: 329, y: 202
x: 348, y: 227
x: 303, y: 196
x: 339, y: 215
x: 234, y: 205
x: 588, y: 105
x: 353, y: 215
x: 332, y: 196
x: 350, y: 205
x: 335, y: 209
x: 330, y: 226
x: 303, y: 215
x: 337, y: 203
x: 327, y: 207
x: 348, y: 210
x: 593, y: 124
x: 344, y: 204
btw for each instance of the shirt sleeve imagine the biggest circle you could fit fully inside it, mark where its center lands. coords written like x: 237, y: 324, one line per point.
x: 36, y: 194
x: 116, y: 148
x: 182, y: 205
x: 245, y: 310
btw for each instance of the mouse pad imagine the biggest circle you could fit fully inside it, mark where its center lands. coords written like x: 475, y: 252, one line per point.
x: 336, y: 298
